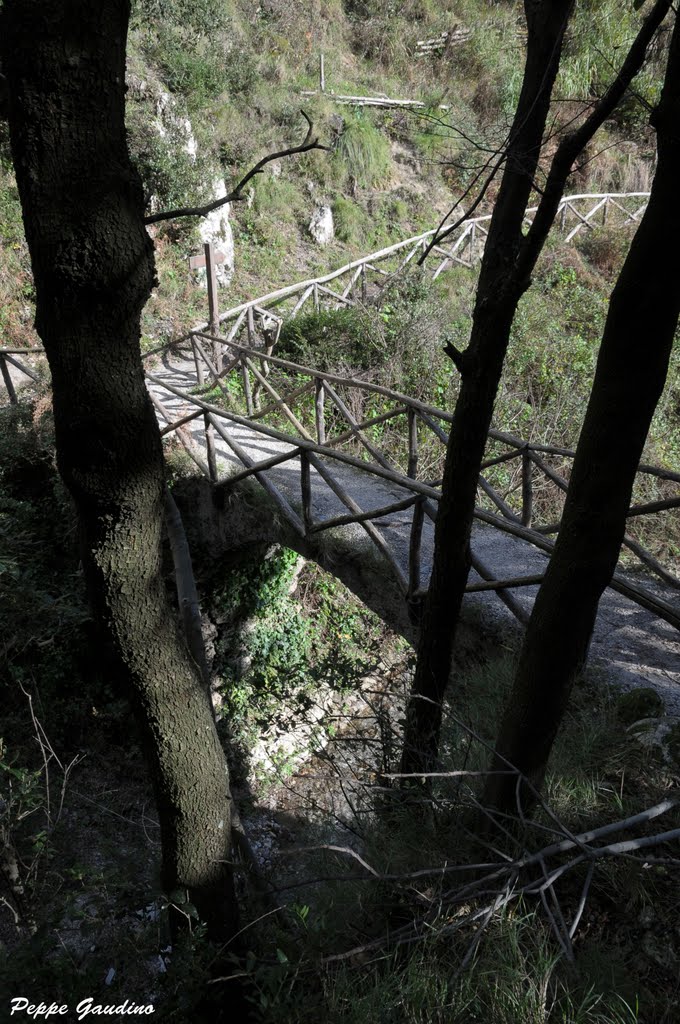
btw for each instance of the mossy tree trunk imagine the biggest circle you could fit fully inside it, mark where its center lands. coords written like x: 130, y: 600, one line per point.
x: 93, y: 267
x: 629, y: 378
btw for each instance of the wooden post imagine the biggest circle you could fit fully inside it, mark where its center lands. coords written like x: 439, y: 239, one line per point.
x: 197, y: 360
x: 209, y: 435
x: 322, y: 74
x: 415, y: 546
x: 9, y: 383
x: 315, y: 291
x: 306, y: 487
x: 211, y: 276
x: 364, y: 288
x: 246, y: 388
x: 527, y: 489
x: 319, y: 399
x: 412, y: 443
x: 250, y: 317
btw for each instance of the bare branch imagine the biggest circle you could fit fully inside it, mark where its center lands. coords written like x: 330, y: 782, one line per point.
x: 237, y: 193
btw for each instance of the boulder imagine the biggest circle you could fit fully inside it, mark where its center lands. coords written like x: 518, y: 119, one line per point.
x: 321, y: 226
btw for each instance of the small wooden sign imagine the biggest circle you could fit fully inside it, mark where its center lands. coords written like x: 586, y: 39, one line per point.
x: 196, y: 262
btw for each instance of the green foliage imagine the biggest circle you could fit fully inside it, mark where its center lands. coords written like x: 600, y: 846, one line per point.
x: 362, y: 153
x: 642, y: 702
x: 287, y: 631
x: 350, y: 221
x: 203, y: 17
x: 333, y: 339
x: 169, y: 173
x: 599, y: 36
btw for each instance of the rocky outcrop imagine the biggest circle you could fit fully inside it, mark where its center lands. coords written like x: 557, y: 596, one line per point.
x: 321, y: 226
x: 174, y: 127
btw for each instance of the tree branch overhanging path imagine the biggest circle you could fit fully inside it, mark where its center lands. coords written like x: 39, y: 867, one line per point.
x: 509, y: 258
x: 309, y: 142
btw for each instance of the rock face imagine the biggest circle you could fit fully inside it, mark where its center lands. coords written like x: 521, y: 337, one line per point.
x: 321, y: 226
x: 173, y: 126
x: 216, y: 228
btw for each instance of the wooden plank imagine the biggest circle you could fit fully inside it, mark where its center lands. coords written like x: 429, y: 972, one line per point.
x: 550, y: 473
x: 288, y: 413
x: 198, y: 262
x: 652, y: 563
x: 319, y: 411
x: 368, y: 467
x: 289, y: 397
x: 412, y: 444
x: 375, y: 513
x: 498, y: 500
x: 374, y: 421
x: 632, y: 591
x: 372, y: 532
x: 9, y: 384
x: 181, y: 436
x: 279, y: 500
x: 180, y: 422
x: 506, y: 597
x: 306, y: 490
x: 258, y: 467
x: 245, y: 378
x: 213, y: 298
x: 19, y: 365
x: 515, y: 581
x: 527, y: 490
x: 653, y: 506
x: 370, y: 448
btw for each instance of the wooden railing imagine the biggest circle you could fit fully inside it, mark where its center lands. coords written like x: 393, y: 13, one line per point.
x: 259, y: 320
x: 315, y: 409
x: 314, y: 418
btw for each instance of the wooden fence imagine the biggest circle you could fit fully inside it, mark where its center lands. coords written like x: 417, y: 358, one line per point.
x: 315, y: 421
x: 314, y: 418
x: 362, y: 280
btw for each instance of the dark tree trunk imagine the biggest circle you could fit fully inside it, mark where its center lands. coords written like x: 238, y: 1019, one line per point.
x: 509, y: 260
x: 498, y: 293
x: 93, y: 267
x: 630, y: 375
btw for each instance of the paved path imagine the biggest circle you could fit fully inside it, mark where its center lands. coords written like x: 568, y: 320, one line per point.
x: 636, y: 647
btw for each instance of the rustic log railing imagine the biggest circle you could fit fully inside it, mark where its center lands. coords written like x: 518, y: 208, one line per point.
x: 315, y: 421
x: 314, y: 414
x: 364, y: 278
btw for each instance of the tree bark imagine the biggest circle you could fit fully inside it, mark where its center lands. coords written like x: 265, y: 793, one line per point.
x: 93, y: 266
x: 629, y: 379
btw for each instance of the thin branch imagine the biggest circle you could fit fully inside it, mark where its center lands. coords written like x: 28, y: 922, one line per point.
x: 237, y: 193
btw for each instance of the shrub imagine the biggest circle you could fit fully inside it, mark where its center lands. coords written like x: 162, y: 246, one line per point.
x: 362, y: 153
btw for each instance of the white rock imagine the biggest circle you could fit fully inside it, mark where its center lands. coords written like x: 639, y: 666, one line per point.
x: 321, y: 226
x: 216, y: 228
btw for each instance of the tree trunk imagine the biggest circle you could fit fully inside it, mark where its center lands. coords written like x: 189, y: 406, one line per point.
x: 509, y: 260
x: 498, y: 294
x: 630, y: 376
x: 93, y: 267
